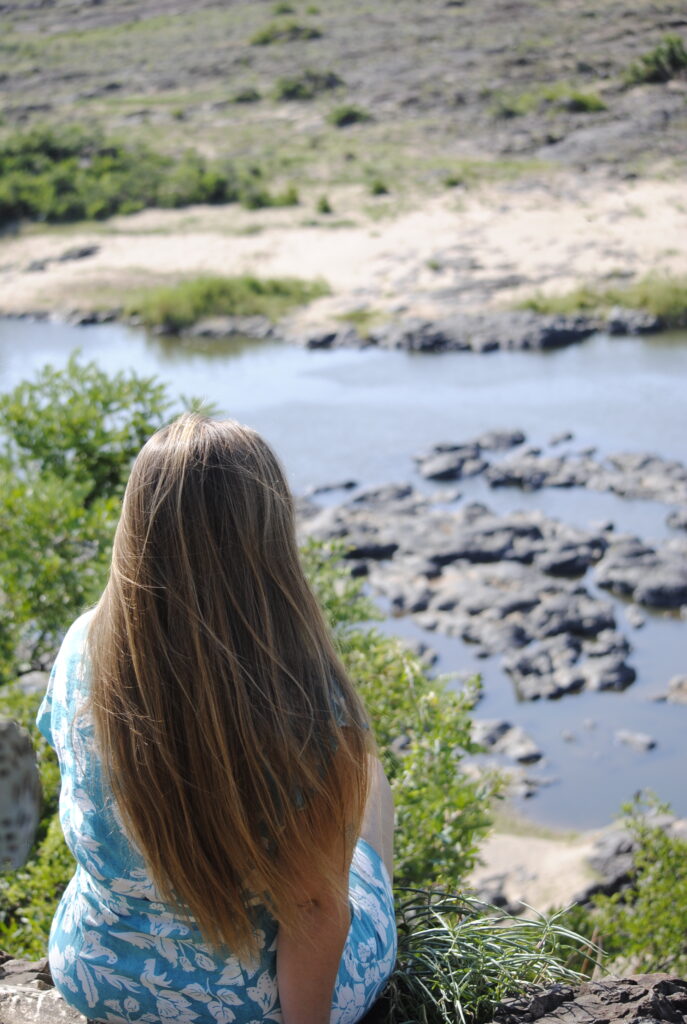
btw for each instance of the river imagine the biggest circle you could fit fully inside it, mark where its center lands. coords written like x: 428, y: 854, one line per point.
x: 362, y: 415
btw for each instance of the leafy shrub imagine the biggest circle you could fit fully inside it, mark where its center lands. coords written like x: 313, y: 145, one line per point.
x: 284, y: 32
x: 666, y: 61
x: 283, y: 8
x: 440, y: 812
x: 174, y: 308
x: 306, y: 85
x: 324, y: 206
x: 378, y: 187
x: 255, y: 196
x: 643, y: 928
x: 69, y: 438
x: 347, y: 114
x: 75, y: 173
x: 246, y: 95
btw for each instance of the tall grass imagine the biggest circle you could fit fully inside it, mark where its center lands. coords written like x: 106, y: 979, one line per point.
x: 173, y: 308
x: 665, y: 297
x: 666, y: 61
x: 457, y: 961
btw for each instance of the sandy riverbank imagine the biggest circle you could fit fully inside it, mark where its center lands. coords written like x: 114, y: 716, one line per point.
x: 468, y: 250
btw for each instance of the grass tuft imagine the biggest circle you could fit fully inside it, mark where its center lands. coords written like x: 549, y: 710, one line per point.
x: 456, y: 962
x: 343, y: 116
x: 284, y: 32
x: 666, y: 61
x: 306, y: 85
x: 663, y: 297
x: 246, y: 95
x: 558, y: 96
x: 171, y: 309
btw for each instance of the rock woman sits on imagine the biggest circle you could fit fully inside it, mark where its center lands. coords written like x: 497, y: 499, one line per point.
x: 231, y: 826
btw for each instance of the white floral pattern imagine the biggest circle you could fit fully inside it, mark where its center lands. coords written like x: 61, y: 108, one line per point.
x: 120, y: 955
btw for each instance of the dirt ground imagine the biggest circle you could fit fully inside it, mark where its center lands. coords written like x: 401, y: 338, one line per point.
x: 479, y: 249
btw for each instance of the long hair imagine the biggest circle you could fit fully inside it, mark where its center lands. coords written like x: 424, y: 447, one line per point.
x: 233, y: 740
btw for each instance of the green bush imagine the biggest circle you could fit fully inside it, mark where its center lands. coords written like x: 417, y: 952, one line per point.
x: 306, y: 85
x: 643, y: 928
x: 666, y: 61
x: 68, y: 438
x: 441, y: 813
x: 246, y: 95
x: 324, y: 206
x: 173, y: 308
x: 76, y: 173
x: 284, y: 32
x: 378, y: 187
x: 343, y: 116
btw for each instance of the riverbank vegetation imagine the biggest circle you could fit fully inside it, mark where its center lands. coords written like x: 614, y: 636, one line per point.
x: 173, y: 308
x: 642, y: 927
x: 665, y: 297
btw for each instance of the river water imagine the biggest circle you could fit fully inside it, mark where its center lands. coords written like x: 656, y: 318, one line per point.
x: 362, y: 415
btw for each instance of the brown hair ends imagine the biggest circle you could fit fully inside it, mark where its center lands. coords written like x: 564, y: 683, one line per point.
x: 233, y: 740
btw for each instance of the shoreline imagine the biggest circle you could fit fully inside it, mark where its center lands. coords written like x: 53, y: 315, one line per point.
x: 462, y: 262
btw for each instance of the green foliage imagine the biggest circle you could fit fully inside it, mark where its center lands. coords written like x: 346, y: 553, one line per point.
x: 643, y: 928
x: 557, y: 96
x: 246, y: 95
x: 666, y: 61
x: 470, y: 173
x: 284, y: 32
x: 74, y: 173
x: 306, y: 85
x: 69, y: 439
x: 174, y: 308
x: 255, y: 196
x: 664, y: 297
x: 347, y: 114
x: 28, y: 898
x: 324, y: 206
x: 283, y: 8
x: 81, y: 423
x: 440, y: 812
x: 456, y: 962
x: 378, y: 187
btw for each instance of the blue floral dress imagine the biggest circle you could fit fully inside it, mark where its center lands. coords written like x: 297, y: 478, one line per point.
x: 119, y: 954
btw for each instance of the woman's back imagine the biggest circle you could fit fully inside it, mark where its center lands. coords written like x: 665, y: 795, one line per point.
x: 213, y: 756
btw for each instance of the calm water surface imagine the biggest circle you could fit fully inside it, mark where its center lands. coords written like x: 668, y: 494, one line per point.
x: 363, y: 415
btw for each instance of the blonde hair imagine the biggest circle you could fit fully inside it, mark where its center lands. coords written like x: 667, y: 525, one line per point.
x: 234, y: 742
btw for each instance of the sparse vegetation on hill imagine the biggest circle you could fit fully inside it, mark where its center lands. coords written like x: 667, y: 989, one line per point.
x: 75, y: 173
x: 284, y: 32
x: 346, y: 114
x: 306, y: 85
x: 666, y: 61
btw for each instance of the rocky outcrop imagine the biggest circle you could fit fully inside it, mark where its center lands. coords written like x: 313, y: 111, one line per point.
x: 20, y: 794
x: 464, y: 332
x: 27, y: 995
x: 643, y: 998
x: 508, y: 584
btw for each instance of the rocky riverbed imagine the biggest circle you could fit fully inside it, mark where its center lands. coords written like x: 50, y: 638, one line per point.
x: 521, y: 587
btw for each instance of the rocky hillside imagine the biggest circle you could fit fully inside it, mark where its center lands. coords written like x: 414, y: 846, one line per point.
x: 388, y: 91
